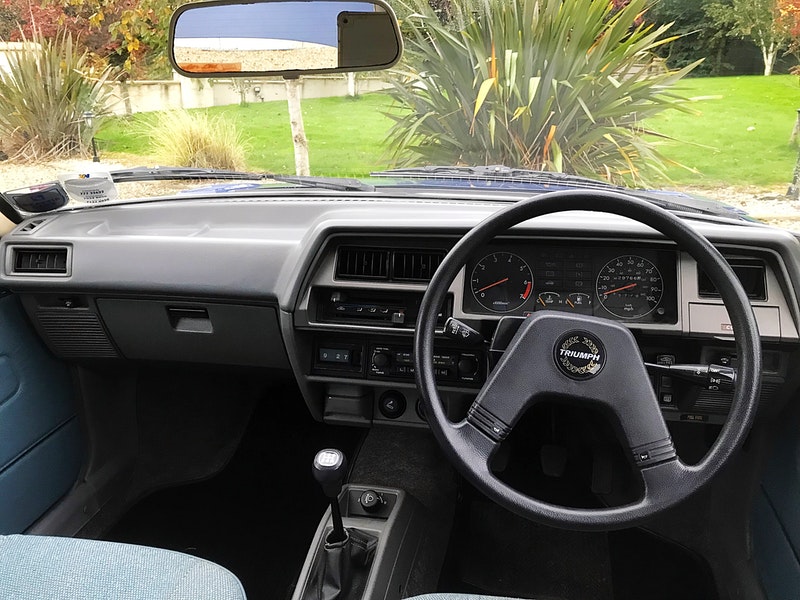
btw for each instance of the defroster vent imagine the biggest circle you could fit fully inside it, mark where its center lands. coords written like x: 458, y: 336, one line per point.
x: 39, y: 261
x: 362, y: 263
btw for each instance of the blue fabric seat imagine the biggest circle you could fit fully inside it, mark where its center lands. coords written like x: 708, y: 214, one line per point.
x: 54, y: 568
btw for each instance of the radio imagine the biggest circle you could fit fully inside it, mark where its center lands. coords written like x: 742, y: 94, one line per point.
x: 393, y: 309
x: 449, y: 365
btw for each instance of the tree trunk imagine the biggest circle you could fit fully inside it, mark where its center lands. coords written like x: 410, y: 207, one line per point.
x: 769, y: 54
x: 794, y: 189
x: 795, y: 137
x: 299, y: 140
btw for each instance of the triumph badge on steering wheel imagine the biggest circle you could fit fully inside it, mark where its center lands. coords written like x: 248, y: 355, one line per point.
x: 579, y: 355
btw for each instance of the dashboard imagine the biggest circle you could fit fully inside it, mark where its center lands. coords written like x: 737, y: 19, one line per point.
x: 326, y: 289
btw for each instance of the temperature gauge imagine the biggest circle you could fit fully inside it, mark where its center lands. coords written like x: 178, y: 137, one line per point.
x: 548, y: 300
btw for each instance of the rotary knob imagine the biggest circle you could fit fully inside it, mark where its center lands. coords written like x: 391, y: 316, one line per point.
x: 381, y: 359
x: 467, y: 366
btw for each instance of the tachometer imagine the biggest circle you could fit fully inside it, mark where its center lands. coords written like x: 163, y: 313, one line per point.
x: 502, y: 282
x: 629, y: 287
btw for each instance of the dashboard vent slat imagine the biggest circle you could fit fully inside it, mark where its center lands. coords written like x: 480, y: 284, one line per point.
x: 416, y: 265
x: 362, y: 263
x: 51, y: 261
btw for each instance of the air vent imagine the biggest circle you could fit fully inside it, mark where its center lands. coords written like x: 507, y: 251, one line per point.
x: 40, y: 261
x: 409, y: 265
x: 362, y: 263
x: 752, y: 274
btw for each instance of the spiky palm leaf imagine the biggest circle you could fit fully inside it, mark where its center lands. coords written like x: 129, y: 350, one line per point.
x: 560, y: 85
x: 43, y: 96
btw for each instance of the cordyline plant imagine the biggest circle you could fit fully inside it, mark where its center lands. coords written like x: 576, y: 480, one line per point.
x: 44, y: 94
x: 560, y: 85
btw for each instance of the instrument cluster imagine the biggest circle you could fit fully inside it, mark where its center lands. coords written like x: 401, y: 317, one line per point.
x: 636, y: 284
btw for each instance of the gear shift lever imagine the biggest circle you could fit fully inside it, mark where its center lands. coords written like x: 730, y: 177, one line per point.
x: 329, y: 469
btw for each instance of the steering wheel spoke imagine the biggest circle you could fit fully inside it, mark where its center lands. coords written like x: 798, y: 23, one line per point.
x: 666, y: 479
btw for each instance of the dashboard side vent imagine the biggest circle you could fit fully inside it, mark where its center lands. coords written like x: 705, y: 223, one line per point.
x: 362, y: 263
x: 46, y: 260
x: 752, y: 274
x: 415, y: 265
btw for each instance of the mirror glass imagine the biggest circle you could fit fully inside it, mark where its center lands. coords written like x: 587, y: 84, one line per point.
x: 283, y: 37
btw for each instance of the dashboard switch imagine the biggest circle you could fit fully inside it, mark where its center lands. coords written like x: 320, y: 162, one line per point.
x: 371, y: 501
x: 392, y: 404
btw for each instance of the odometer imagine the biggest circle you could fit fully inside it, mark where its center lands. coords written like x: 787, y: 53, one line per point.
x: 629, y: 287
x: 501, y: 282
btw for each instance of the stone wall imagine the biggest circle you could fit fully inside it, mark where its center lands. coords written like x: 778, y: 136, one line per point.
x: 182, y: 92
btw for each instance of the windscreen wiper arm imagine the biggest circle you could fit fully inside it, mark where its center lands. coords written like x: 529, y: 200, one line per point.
x: 188, y: 173
x: 179, y: 173
x: 326, y: 183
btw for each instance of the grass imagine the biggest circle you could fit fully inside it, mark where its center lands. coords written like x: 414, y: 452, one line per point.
x: 740, y: 137
x: 346, y: 136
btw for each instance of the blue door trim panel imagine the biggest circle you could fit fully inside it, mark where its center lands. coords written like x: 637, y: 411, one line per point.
x: 40, y: 440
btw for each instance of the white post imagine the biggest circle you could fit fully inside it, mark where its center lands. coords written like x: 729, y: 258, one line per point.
x: 293, y: 87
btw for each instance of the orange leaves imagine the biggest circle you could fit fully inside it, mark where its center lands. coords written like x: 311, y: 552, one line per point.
x: 789, y: 17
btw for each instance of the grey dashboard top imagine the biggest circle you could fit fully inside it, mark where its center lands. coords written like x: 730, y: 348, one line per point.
x: 263, y: 248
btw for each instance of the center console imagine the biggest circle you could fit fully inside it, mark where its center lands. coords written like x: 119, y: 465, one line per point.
x: 366, y: 543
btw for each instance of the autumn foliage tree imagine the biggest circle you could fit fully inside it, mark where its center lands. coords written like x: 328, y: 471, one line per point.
x: 130, y: 34
x: 789, y: 20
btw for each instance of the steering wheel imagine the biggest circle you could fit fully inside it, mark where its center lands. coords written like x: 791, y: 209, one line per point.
x: 591, y: 360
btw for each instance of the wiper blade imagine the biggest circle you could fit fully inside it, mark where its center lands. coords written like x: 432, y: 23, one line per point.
x: 501, y: 173
x: 326, y: 183
x: 188, y: 173
x: 680, y: 202
x: 178, y: 173
x: 497, y: 173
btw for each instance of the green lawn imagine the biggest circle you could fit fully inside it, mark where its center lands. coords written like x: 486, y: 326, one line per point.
x: 741, y: 134
x: 345, y: 135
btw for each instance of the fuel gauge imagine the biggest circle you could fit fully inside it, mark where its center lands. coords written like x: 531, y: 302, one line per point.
x: 578, y: 302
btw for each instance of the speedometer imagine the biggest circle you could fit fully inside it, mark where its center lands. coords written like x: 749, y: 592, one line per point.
x: 629, y: 287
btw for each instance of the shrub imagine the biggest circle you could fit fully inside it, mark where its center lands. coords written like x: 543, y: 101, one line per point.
x: 560, y: 85
x: 43, y: 97
x: 194, y: 139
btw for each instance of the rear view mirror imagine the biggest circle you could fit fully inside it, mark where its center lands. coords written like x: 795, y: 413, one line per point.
x: 284, y: 38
